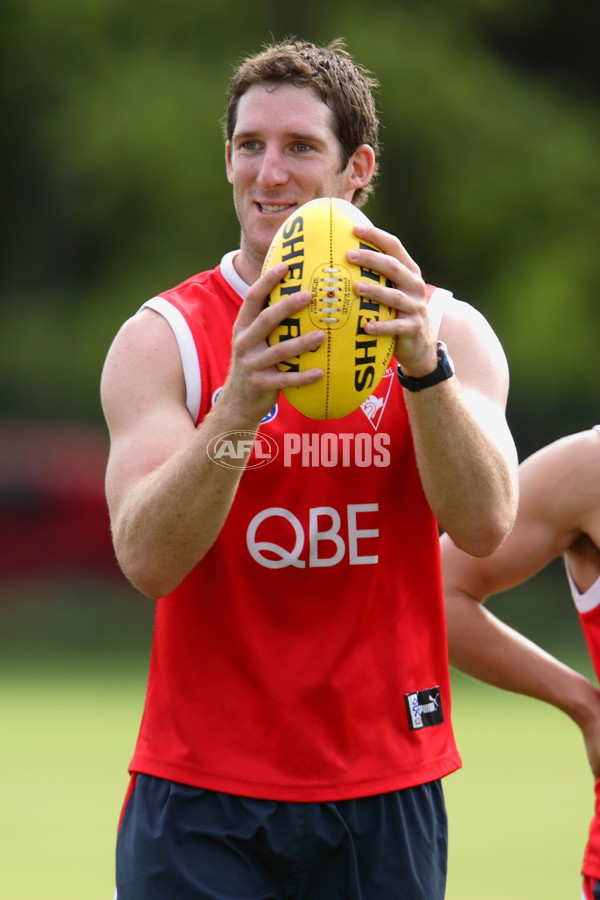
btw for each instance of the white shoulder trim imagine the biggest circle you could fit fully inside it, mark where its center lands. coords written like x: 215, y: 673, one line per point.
x: 587, y: 601
x: 231, y: 276
x: 187, y: 351
x: 437, y: 306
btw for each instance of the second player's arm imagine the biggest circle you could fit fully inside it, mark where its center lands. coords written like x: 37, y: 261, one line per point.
x: 483, y: 646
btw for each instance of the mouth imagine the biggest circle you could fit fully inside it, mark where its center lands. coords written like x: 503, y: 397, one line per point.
x: 270, y: 209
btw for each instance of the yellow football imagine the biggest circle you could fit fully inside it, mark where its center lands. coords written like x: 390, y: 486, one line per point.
x: 313, y: 241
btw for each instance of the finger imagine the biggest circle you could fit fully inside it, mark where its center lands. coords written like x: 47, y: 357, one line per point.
x: 281, y: 351
x: 388, y: 244
x: 270, y: 317
x: 395, y: 272
x: 403, y: 302
x: 258, y: 293
x: 252, y: 343
x: 280, y: 379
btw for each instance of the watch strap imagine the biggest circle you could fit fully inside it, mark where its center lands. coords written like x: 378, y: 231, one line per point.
x: 443, y: 370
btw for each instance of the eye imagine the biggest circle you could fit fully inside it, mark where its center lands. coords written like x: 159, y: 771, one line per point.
x: 302, y: 147
x: 248, y: 144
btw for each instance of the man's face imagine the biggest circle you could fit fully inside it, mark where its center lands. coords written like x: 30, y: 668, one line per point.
x: 283, y: 153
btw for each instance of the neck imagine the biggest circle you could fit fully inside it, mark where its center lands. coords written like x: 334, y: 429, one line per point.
x: 247, y: 266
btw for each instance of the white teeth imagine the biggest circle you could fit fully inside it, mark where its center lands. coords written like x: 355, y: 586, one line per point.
x: 272, y: 208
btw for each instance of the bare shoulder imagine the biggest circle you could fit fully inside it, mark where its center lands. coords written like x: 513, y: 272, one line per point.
x: 580, y: 489
x: 143, y: 398
x: 474, y: 345
x: 563, y: 481
x: 581, y: 455
x: 572, y: 461
x: 143, y: 360
x: 463, y: 321
x: 583, y: 449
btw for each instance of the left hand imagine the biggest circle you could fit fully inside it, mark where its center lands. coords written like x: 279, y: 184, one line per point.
x: 405, y: 292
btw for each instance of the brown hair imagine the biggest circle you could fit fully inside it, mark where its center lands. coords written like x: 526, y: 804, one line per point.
x: 345, y: 86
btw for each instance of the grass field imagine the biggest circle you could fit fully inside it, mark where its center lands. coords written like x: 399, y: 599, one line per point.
x: 519, y: 809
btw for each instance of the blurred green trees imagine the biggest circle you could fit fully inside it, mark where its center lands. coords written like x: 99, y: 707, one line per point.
x: 115, y: 185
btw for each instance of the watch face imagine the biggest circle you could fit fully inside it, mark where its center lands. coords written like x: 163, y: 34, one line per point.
x: 444, y: 360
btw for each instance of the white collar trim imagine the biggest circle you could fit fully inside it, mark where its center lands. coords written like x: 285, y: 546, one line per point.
x: 231, y: 276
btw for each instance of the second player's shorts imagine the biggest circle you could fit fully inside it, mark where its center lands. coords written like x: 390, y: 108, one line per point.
x: 177, y: 842
x: 591, y: 889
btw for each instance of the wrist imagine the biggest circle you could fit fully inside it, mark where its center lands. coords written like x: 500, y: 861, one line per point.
x: 422, y: 367
x: 441, y: 371
x: 583, y: 706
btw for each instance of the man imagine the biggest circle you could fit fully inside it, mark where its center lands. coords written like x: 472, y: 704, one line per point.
x: 296, y: 725
x: 559, y: 514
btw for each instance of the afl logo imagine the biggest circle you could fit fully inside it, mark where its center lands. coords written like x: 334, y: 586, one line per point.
x: 231, y: 448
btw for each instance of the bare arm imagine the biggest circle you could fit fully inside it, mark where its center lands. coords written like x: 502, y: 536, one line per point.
x: 167, y: 499
x: 548, y: 523
x: 465, y: 452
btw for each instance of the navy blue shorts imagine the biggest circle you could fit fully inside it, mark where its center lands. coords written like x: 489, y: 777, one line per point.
x: 180, y: 843
x: 591, y: 888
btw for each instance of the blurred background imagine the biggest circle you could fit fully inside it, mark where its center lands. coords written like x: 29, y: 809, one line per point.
x: 114, y: 189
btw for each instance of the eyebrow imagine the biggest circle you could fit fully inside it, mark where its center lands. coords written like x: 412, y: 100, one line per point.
x: 292, y: 135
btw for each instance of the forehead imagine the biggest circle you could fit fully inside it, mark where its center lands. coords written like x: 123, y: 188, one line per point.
x: 284, y: 107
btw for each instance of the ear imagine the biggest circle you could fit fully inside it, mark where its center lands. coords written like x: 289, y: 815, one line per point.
x: 228, y: 163
x: 360, y: 167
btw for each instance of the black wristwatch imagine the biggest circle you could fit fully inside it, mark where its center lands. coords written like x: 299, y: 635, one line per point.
x: 443, y: 370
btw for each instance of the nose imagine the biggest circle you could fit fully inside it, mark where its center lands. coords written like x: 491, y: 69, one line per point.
x: 273, y: 170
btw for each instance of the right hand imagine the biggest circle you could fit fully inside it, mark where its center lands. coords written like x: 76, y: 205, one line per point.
x: 254, y: 380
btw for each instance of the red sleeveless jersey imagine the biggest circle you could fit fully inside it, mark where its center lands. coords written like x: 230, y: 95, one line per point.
x: 588, y: 610
x: 304, y: 658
